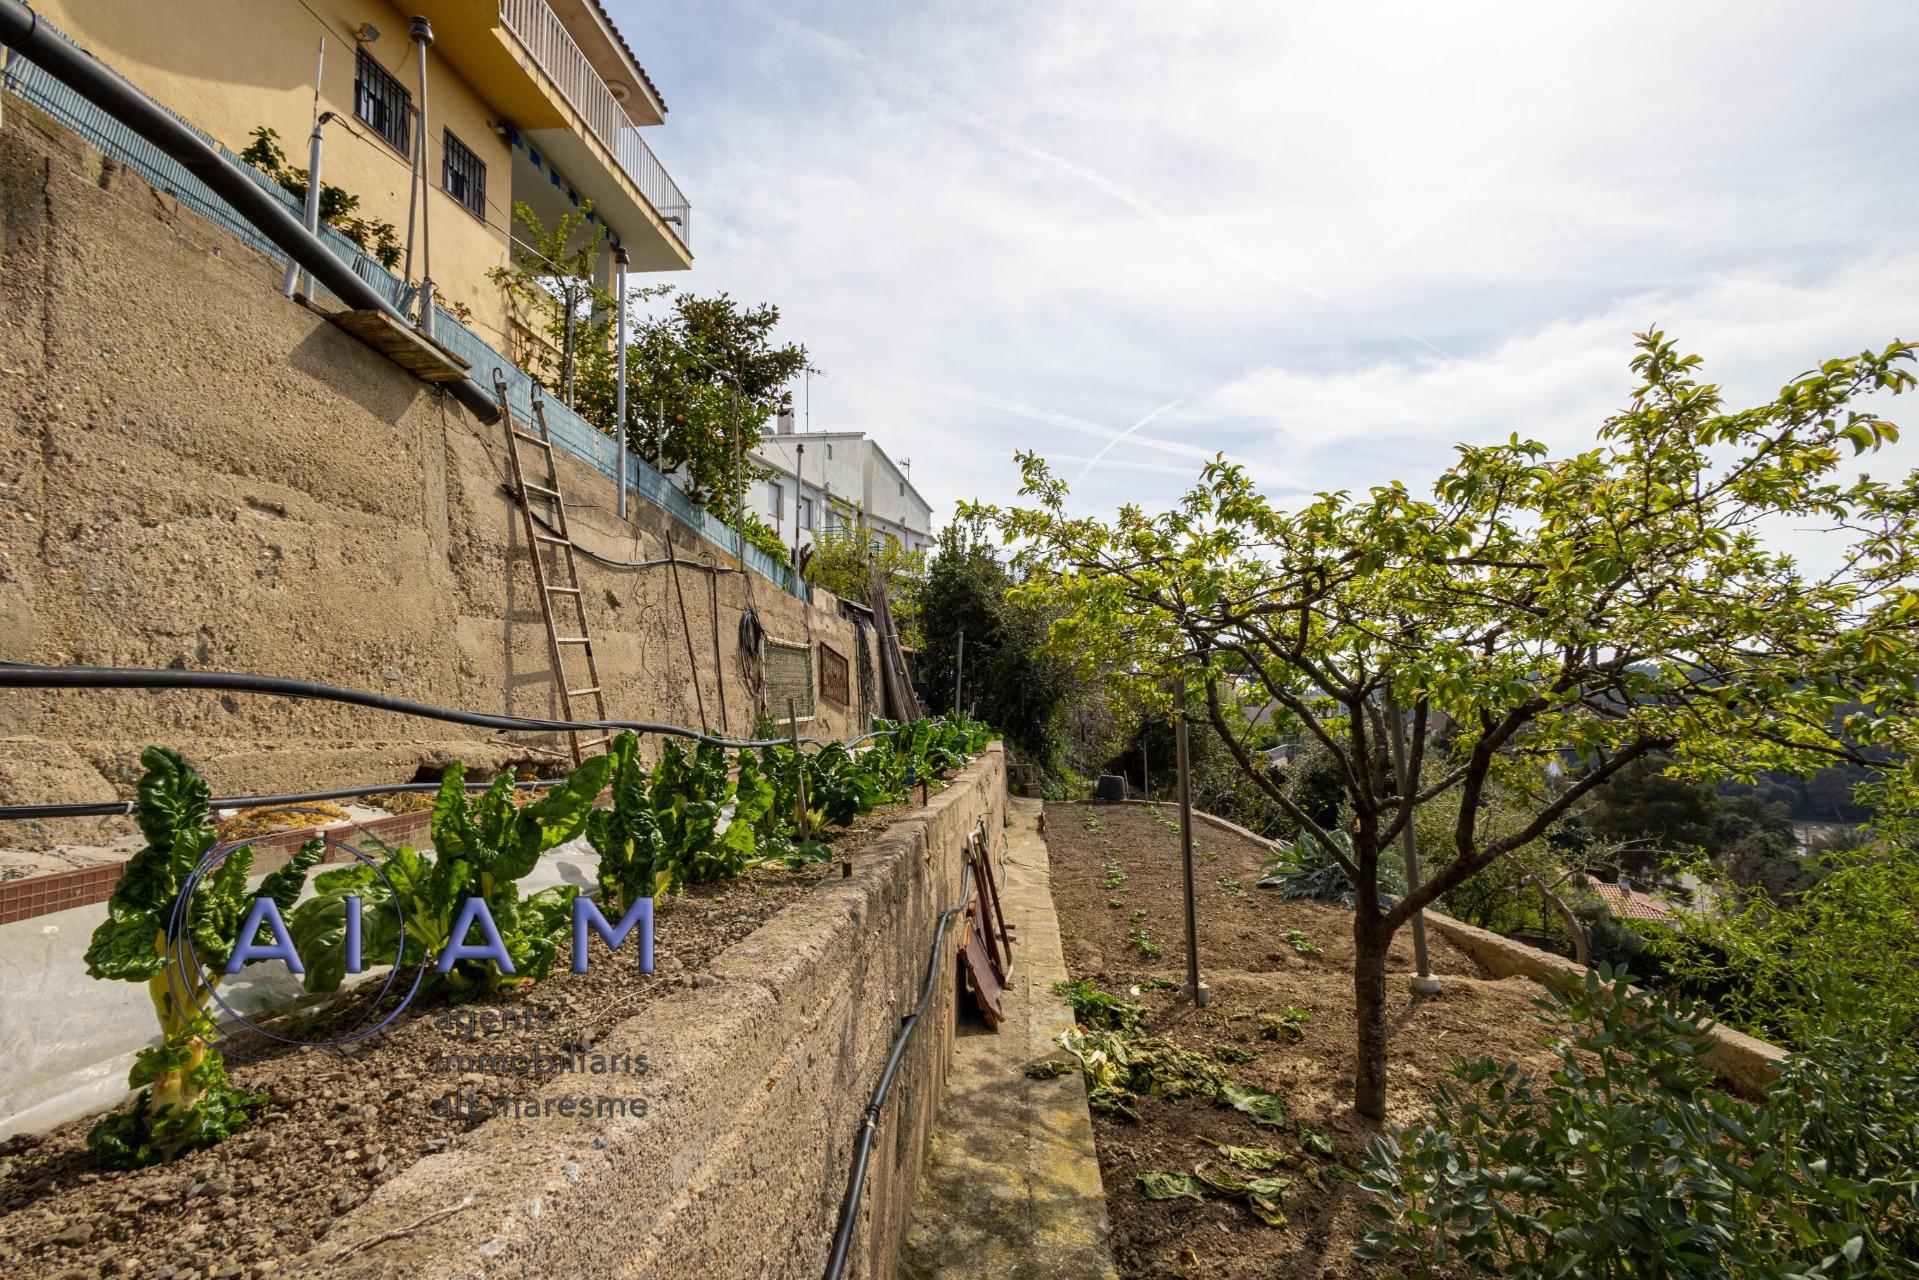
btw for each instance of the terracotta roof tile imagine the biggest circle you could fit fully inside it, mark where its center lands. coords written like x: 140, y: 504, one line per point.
x: 1630, y: 904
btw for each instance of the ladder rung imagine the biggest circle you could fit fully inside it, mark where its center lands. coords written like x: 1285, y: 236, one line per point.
x: 539, y: 488
x: 534, y: 440
x: 547, y: 537
x: 591, y: 742
x: 571, y: 640
x: 581, y: 693
x: 564, y: 591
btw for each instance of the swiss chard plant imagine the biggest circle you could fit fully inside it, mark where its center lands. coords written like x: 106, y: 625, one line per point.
x: 482, y: 847
x: 634, y: 860
x: 185, y: 1101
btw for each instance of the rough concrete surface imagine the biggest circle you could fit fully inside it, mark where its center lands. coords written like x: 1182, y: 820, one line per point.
x: 759, y: 1085
x: 1012, y: 1185
x: 200, y: 473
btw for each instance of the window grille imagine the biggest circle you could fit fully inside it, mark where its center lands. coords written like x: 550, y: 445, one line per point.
x: 463, y: 175
x: 383, y: 102
x: 789, y: 675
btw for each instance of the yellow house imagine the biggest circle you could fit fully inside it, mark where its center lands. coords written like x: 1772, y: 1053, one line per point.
x: 539, y: 101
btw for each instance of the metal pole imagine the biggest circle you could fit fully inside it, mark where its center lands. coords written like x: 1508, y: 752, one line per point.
x: 422, y: 32
x: 739, y: 474
x: 311, y: 210
x: 1145, y: 768
x: 799, y: 496
x: 620, y: 259
x: 959, y: 670
x: 1194, y: 988
x: 1423, y: 981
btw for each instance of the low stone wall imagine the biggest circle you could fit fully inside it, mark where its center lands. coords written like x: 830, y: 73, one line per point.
x: 759, y: 1081
x: 1748, y: 1066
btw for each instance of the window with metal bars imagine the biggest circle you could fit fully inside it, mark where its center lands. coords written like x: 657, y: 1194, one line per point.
x: 383, y: 102
x: 463, y: 175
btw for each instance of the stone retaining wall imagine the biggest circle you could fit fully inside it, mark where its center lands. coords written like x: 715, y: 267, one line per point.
x: 760, y: 1079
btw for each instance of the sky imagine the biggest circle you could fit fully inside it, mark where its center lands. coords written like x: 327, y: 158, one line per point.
x: 1329, y: 241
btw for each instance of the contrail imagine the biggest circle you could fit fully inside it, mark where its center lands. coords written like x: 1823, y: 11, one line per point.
x: 1108, y: 446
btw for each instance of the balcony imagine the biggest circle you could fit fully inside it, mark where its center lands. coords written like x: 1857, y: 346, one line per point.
x: 545, y: 39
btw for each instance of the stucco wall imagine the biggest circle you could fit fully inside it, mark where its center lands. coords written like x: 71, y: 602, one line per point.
x: 200, y: 473
x: 756, y: 1096
x: 231, y: 66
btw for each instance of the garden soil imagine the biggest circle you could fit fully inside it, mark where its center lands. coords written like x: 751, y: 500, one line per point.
x: 1116, y: 870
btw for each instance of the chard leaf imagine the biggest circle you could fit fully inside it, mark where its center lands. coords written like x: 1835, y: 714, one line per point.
x: 1266, y: 1108
x: 1161, y: 1185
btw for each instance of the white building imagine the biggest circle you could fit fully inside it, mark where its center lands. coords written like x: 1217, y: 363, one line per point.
x: 827, y: 480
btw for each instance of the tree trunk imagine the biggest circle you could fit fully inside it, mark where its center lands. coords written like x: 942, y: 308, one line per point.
x: 1370, y: 940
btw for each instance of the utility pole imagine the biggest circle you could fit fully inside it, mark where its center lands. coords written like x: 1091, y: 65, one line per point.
x: 620, y: 260
x: 1194, y: 988
x: 799, y: 496
x: 310, y: 212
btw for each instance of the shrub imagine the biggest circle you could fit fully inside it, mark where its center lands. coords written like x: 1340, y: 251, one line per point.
x: 1626, y: 1160
x: 1304, y: 869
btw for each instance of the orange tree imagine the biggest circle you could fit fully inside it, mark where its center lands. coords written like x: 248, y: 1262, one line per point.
x: 1537, y: 621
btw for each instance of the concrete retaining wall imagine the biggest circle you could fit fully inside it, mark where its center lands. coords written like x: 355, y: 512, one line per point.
x: 757, y: 1091
x: 200, y: 473
x: 1747, y: 1065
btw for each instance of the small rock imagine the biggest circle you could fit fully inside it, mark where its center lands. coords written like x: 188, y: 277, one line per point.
x: 493, y: 1248
x: 76, y: 1234
x: 572, y: 1170
x: 702, y: 979
x: 345, y: 1199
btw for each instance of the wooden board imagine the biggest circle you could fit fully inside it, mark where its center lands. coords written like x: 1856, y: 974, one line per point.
x: 425, y: 360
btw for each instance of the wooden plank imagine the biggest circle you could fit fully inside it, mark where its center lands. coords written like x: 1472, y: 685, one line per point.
x: 425, y: 360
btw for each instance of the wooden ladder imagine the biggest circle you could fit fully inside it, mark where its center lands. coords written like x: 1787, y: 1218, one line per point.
x: 564, y: 579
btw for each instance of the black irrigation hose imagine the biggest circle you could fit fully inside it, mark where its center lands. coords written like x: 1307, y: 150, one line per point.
x: 126, y: 808
x: 856, y: 1183
x: 608, y: 561
x: 26, y: 675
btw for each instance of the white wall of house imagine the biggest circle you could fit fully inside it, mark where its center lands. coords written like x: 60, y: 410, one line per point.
x: 820, y: 473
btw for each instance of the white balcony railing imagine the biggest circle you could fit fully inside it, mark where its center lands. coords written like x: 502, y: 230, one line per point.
x: 545, y: 38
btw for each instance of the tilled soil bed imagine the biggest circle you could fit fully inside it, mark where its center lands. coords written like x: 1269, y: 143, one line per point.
x: 339, y: 1122
x: 1116, y: 870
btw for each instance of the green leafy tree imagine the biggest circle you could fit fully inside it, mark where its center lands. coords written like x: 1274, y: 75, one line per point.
x: 184, y: 1101
x: 842, y: 560
x: 1012, y: 679
x: 1605, y: 607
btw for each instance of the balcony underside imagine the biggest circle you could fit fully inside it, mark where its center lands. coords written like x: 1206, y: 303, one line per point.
x: 470, y: 36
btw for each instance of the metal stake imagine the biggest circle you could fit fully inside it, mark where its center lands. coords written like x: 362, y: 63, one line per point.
x: 1194, y: 988
x: 1423, y: 981
x: 619, y: 375
x: 799, y: 766
x: 959, y: 670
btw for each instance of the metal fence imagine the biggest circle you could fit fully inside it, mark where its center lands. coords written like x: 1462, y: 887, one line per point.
x: 570, y: 431
x: 546, y: 40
